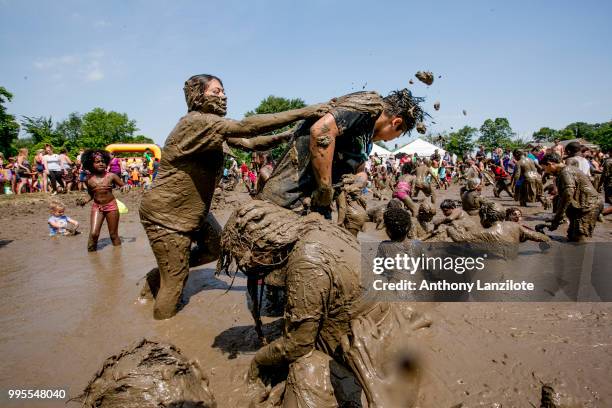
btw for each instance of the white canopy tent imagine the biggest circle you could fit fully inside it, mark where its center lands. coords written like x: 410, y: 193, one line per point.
x: 380, y: 151
x: 420, y: 147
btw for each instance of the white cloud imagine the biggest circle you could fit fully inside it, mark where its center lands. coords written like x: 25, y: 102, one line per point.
x: 101, y: 23
x: 51, y: 63
x: 86, y: 66
x: 95, y: 74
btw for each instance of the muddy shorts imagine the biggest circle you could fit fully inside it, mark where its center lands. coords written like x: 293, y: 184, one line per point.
x: 582, y: 223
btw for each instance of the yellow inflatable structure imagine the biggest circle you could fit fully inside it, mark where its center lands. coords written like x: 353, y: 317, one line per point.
x: 134, y: 147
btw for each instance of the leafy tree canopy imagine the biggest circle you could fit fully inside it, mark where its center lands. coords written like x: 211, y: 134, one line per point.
x: 496, y: 133
x: 272, y: 104
x: 94, y: 130
x: 9, y: 128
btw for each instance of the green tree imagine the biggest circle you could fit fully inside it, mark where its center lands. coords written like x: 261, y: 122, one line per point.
x: 9, y: 128
x: 545, y: 134
x: 496, y: 133
x: 139, y: 139
x: 41, y: 130
x: 517, y: 143
x: 580, y: 130
x: 603, y: 135
x: 274, y: 104
x: 461, y: 141
x: 101, y: 128
x: 71, y: 128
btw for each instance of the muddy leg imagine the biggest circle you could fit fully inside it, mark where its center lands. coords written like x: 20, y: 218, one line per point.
x: 309, y: 382
x: 171, y: 250
x: 411, y: 205
x: 507, y: 190
x: 208, y: 243
x: 96, y: 220
x: 112, y: 219
x: 151, y: 285
x: 253, y: 289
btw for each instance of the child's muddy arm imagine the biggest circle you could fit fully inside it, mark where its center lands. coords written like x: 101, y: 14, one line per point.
x: 466, y: 236
x: 260, y: 143
x: 117, y: 180
x: 527, y: 234
x: 258, y: 124
x: 82, y: 201
x: 73, y: 222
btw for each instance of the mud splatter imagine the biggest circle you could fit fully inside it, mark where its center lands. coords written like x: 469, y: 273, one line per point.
x: 421, y: 128
x: 437, y: 105
x: 425, y: 76
x: 323, y: 141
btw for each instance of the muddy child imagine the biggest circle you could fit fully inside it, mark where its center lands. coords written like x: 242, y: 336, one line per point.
x: 100, y: 189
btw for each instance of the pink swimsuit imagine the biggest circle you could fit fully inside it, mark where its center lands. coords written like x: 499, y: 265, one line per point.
x: 108, y: 207
x: 402, y: 190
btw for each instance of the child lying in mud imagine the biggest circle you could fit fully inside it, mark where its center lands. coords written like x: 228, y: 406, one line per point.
x: 59, y: 223
x: 100, y: 189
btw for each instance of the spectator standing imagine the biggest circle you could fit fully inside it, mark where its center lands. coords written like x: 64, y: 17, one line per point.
x: 53, y: 168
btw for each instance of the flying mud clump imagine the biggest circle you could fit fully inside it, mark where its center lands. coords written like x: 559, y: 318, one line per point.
x: 421, y: 128
x: 148, y: 375
x: 425, y: 76
x: 437, y: 106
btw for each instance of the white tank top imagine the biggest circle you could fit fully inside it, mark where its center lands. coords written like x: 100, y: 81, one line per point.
x: 53, y: 162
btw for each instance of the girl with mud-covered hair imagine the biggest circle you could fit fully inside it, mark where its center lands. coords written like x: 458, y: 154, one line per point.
x: 100, y: 189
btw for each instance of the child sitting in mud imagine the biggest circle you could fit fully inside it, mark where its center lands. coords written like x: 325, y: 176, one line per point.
x: 100, y: 189
x: 59, y: 222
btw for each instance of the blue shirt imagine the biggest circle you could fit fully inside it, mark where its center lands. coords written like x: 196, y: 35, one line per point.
x: 63, y: 222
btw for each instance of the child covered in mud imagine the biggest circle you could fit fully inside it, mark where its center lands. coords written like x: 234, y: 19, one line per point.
x: 59, y: 223
x: 398, y: 224
x: 100, y: 189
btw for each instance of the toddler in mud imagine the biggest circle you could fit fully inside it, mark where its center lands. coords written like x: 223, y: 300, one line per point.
x: 100, y: 189
x: 59, y: 223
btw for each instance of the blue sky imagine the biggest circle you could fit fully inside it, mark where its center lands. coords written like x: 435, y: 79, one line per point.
x: 538, y: 63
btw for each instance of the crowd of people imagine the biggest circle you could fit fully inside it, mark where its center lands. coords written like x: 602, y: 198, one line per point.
x: 577, y: 175
x: 49, y: 172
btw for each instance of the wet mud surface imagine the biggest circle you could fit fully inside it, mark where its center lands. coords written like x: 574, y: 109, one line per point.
x: 64, y: 311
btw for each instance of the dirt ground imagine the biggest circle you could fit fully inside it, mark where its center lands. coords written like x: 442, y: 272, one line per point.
x: 63, y: 311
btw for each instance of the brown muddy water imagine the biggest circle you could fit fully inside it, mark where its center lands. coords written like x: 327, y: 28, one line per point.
x: 63, y: 311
